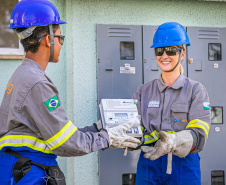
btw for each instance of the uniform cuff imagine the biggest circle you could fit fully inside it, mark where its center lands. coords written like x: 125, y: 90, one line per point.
x: 98, y: 125
x: 195, y: 139
x: 106, y: 143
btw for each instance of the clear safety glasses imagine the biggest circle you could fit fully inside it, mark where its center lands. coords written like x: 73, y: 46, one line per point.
x: 170, y: 51
x: 61, y: 38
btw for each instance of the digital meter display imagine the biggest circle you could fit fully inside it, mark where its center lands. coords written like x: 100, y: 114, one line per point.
x: 121, y: 114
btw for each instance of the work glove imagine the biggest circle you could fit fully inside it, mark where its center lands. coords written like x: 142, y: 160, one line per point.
x: 179, y: 143
x: 119, y: 138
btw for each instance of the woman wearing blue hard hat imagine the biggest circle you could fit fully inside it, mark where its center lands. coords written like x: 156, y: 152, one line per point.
x: 34, y: 127
x: 175, y: 116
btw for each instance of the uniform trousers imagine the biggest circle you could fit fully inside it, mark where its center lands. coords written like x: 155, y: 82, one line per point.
x: 185, y: 171
x: 36, y: 176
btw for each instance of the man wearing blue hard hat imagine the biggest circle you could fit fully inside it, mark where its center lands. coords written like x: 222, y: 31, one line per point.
x: 34, y: 127
x: 175, y: 116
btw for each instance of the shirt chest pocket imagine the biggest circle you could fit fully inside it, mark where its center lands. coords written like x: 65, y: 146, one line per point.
x: 179, y: 117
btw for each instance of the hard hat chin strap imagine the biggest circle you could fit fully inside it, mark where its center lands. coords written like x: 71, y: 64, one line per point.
x: 52, y: 43
x: 181, y: 53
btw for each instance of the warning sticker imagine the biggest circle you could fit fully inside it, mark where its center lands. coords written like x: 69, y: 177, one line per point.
x: 127, y: 69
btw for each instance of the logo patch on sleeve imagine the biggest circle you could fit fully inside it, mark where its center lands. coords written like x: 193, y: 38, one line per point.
x: 206, y: 105
x: 52, y: 103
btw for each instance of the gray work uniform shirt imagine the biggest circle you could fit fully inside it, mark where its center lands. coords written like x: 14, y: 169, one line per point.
x: 31, y: 115
x: 184, y: 105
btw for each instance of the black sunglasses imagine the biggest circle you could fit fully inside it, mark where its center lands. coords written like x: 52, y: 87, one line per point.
x: 170, y: 51
x: 61, y: 38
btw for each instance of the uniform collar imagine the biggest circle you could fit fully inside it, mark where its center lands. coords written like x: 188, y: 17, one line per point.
x: 32, y: 63
x: 178, y: 84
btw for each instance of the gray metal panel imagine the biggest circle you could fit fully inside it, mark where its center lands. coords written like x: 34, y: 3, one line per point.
x: 113, y: 84
x: 151, y: 69
x: 213, y: 156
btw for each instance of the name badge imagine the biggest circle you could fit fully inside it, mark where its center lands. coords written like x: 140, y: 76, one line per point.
x: 153, y: 103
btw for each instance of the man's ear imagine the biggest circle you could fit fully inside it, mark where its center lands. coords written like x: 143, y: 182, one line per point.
x: 47, y: 40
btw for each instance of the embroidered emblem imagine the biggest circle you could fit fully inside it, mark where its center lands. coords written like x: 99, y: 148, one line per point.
x: 206, y: 105
x: 153, y: 103
x: 52, y: 103
x: 180, y: 120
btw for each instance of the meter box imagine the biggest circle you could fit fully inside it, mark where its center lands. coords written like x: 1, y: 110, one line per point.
x: 118, y: 111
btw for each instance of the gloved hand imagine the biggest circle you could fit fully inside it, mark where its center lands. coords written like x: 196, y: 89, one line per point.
x: 119, y: 138
x: 179, y: 143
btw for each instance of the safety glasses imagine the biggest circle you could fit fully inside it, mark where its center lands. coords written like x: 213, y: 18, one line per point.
x: 61, y: 38
x: 170, y: 51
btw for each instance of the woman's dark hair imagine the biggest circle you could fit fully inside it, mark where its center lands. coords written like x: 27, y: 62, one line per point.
x: 31, y: 43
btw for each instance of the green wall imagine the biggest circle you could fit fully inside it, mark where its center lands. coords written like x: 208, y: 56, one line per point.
x: 75, y: 74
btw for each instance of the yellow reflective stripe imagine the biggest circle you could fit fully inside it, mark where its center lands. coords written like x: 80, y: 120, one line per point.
x: 65, y: 139
x: 153, y: 139
x: 22, y: 140
x: 22, y: 137
x: 27, y: 145
x: 62, y: 136
x: 154, y: 132
x: 37, y: 144
x: 151, y: 134
x: 170, y: 132
x: 197, y: 123
x: 150, y: 138
x: 198, y: 120
x: 198, y: 126
x: 59, y: 133
x: 142, y: 128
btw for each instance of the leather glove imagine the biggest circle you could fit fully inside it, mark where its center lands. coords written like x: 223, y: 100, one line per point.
x: 119, y: 138
x: 179, y: 143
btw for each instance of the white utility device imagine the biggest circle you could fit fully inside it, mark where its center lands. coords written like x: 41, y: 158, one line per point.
x: 118, y: 111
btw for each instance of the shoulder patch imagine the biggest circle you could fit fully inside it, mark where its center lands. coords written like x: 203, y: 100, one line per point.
x: 52, y: 103
x: 206, y: 105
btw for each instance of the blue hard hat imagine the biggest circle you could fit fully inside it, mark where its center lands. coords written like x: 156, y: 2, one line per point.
x: 170, y: 34
x: 29, y: 13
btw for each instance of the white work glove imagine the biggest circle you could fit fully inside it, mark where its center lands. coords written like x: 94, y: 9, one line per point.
x: 119, y: 138
x: 179, y: 143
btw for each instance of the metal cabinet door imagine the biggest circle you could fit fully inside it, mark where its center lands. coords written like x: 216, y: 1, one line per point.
x: 119, y: 73
x: 208, y: 66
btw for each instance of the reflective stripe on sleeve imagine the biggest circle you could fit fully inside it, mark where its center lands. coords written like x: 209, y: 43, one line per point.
x: 154, y: 136
x: 142, y: 128
x: 62, y: 136
x: 197, y: 123
x: 37, y: 144
x: 151, y: 138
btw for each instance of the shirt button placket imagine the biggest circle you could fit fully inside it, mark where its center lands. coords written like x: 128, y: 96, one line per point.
x: 167, y: 107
